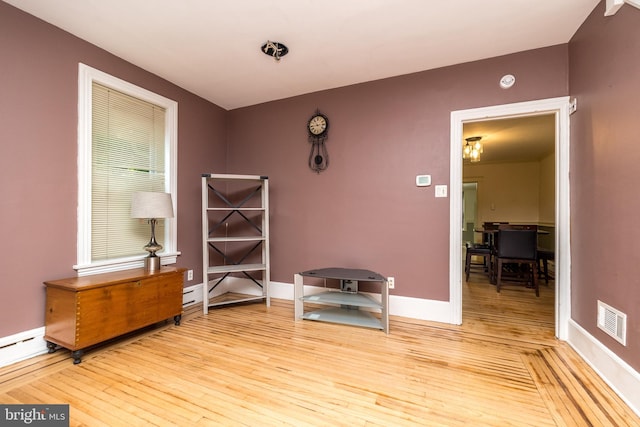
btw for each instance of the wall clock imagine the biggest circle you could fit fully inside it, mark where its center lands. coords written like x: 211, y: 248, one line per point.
x: 318, y: 125
x: 318, y: 129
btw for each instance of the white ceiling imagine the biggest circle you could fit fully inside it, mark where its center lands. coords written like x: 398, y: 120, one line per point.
x: 521, y: 139
x: 212, y: 47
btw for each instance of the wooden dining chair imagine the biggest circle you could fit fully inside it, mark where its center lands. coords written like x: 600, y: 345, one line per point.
x: 490, y: 228
x: 477, y: 250
x: 516, y: 246
x: 544, y: 256
x: 484, y: 250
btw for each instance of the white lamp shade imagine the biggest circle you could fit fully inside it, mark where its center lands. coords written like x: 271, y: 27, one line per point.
x: 151, y: 205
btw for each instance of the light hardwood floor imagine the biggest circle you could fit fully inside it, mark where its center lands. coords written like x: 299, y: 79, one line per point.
x: 252, y: 365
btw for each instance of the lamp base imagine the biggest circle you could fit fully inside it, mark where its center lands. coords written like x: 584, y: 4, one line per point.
x: 152, y: 264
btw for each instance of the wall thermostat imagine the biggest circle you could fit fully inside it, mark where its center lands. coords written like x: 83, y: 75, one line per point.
x: 423, y: 180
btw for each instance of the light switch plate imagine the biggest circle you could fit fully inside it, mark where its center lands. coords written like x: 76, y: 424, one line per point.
x: 441, y: 191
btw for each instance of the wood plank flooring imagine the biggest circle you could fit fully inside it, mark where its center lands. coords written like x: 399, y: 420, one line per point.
x: 252, y: 365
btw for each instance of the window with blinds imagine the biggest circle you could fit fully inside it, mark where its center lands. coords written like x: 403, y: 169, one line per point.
x: 127, y: 142
x: 128, y: 155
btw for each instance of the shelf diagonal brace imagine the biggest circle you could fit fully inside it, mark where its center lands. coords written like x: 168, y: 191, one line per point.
x: 228, y: 202
x: 256, y: 246
x: 252, y: 279
x: 219, y: 281
x: 220, y: 223
x: 239, y: 262
x: 229, y: 260
x: 222, y: 254
x: 249, y: 196
x: 249, y: 221
x: 223, y: 221
x: 220, y: 196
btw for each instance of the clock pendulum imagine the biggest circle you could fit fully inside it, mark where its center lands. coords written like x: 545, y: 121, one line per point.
x: 318, y: 127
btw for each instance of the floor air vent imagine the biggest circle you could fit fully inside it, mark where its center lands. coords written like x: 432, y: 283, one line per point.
x: 613, y: 322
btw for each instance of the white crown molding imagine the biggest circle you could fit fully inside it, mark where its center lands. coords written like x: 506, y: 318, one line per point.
x: 613, y: 6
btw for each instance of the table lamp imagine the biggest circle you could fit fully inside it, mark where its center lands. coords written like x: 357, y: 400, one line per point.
x: 151, y: 206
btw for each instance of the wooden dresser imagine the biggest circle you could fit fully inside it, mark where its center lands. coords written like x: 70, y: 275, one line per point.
x: 84, y: 311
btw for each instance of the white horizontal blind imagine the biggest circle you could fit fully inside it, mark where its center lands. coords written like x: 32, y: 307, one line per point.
x: 128, y: 155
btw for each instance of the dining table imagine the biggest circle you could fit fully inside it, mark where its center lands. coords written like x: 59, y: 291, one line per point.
x: 489, y: 234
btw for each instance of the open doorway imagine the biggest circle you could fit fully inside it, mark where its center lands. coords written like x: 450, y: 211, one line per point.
x: 516, y: 172
x: 559, y: 108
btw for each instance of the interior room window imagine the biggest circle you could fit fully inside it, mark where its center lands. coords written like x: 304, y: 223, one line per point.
x: 126, y: 143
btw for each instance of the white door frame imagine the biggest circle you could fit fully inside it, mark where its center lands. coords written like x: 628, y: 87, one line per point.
x: 561, y: 108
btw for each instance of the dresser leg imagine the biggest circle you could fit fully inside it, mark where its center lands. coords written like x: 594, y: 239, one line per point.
x: 51, y: 347
x: 176, y: 319
x: 77, y: 356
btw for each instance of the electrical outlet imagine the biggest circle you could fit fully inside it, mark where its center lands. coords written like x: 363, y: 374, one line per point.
x: 190, y: 275
x: 391, y: 281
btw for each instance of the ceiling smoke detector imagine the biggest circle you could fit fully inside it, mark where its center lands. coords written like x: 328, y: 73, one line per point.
x: 275, y: 49
x: 507, y: 81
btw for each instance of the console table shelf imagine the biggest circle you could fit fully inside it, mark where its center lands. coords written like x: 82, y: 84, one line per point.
x: 345, y: 305
x: 345, y: 316
x: 344, y: 298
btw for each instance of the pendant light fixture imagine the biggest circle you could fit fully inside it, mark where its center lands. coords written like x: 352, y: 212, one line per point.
x: 472, y: 149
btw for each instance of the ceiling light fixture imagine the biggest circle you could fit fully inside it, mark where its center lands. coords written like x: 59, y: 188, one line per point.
x: 275, y: 49
x: 472, y: 149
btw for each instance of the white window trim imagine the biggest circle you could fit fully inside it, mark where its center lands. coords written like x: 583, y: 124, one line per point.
x: 86, y: 76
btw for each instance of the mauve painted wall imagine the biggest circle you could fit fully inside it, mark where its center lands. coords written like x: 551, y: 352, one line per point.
x: 605, y: 201
x: 38, y: 162
x: 365, y: 211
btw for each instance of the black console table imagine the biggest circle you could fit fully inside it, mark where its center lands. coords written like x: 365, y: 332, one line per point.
x: 346, y: 304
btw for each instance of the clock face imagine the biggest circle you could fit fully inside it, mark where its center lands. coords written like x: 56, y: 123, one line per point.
x: 318, y: 125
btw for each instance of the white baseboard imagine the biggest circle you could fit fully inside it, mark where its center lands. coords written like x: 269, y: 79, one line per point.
x: 422, y: 309
x: 621, y: 377
x: 21, y: 346
x: 281, y: 290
